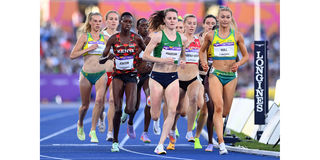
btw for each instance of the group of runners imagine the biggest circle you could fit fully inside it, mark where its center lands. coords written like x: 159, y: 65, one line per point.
x: 186, y: 72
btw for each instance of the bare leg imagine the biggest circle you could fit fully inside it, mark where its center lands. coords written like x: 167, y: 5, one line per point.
x: 216, y: 93
x: 111, y: 109
x: 118, y: 90
x: 172, y: 97
x: 85, y: 91
x: 193, y: 91
x: 99, y: 101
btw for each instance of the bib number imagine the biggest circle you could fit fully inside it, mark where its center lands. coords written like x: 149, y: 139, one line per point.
x: 192, y: 55
x: 124, y: 63
x: 99, y: 50
x: 171, y: 52
x: 224, y: 49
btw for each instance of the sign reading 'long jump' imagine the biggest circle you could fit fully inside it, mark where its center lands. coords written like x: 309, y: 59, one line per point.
x: 260, y: 82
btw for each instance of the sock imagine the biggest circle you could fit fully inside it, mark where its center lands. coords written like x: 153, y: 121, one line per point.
x: 189, y: 134
x: 222, y: 146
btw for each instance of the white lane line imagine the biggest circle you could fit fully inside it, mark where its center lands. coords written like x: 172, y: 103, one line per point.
x: 125, y: 139
x: 153, y: 155
x: 53, y: 157
x: 204, y: 133
x: 57, y: 115
x: 105, y: 145
x: 88, y: 120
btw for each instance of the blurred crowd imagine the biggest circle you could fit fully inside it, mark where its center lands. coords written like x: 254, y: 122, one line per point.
x: 55, y: 48
x: 56, y: 45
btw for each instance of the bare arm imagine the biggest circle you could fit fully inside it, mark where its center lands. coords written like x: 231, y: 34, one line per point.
x: 204, y: 49
x: 106, y: 52
x: 244, y: 52
x: 185, y: 44
x: 140, y: 42
x: 155, y: 39
x: 77, y: 50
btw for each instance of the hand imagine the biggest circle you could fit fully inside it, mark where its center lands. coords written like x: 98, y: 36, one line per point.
x: 182, y: 63
x: 168, y: 60
x: 235, y: 67
x: 111, y: 56
x: 103, y: 60
x: 205, y: 66
x: 93, y: 47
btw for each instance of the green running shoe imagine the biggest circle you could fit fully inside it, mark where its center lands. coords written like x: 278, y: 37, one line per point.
x: 195, y: 120
x: 197, y: 144
x: 115, y: 147
x: 177, y: 133
x: 93, y: 136
x: 80, y: 133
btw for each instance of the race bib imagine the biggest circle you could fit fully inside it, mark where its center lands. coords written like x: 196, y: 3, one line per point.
x: 171, y: 52
x: 99, y: 50
x: 124, y: 63
x: 192, y: 55
x: 224, y: 49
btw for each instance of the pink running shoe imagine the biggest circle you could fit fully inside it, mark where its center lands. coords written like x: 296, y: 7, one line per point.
x: 145, y: 138
x: 130, y: 131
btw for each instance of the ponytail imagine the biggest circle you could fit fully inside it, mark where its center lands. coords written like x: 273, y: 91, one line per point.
x: 234, y: 24
x: 86, y: 26
x: 156, y: 20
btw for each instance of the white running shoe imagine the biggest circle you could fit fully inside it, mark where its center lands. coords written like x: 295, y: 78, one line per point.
x: 156, y: 127
x: 159, y: 149
x: 102, y: 124
x: 124, y: 117
x: 222, y: 149
x: 109, y: 136
x: 189, y: 136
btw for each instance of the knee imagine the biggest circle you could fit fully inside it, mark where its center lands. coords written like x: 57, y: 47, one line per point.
x: 154, y: 116
x: 130, y: 110
x: 117, y: 109
x: 225, y: 114
x: 203, y: 113
x: 183, y: 113
x: 193, y: 101
x: 99, y: 102
x: 172, y: 112
x: 84, y: 107
x: 218, y: 110
x: 111, y: 101
x: 218, y: 107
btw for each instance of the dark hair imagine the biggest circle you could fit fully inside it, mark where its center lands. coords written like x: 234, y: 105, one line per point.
x: 209, y: 16
x: 125, y: 14
x: 140, y: 20
x: 157, y: 18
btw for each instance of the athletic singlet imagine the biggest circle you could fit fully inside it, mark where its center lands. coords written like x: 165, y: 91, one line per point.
x: 223, y: 49
x: 168, y: 48
x: 125, y: 55
x: 192, y: 52
x: 106, y: 33
x: 90, y: 41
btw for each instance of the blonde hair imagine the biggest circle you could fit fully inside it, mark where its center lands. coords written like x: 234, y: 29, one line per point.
x: 86, y: 26
x: 233, y: 22
x: 185, y: 17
